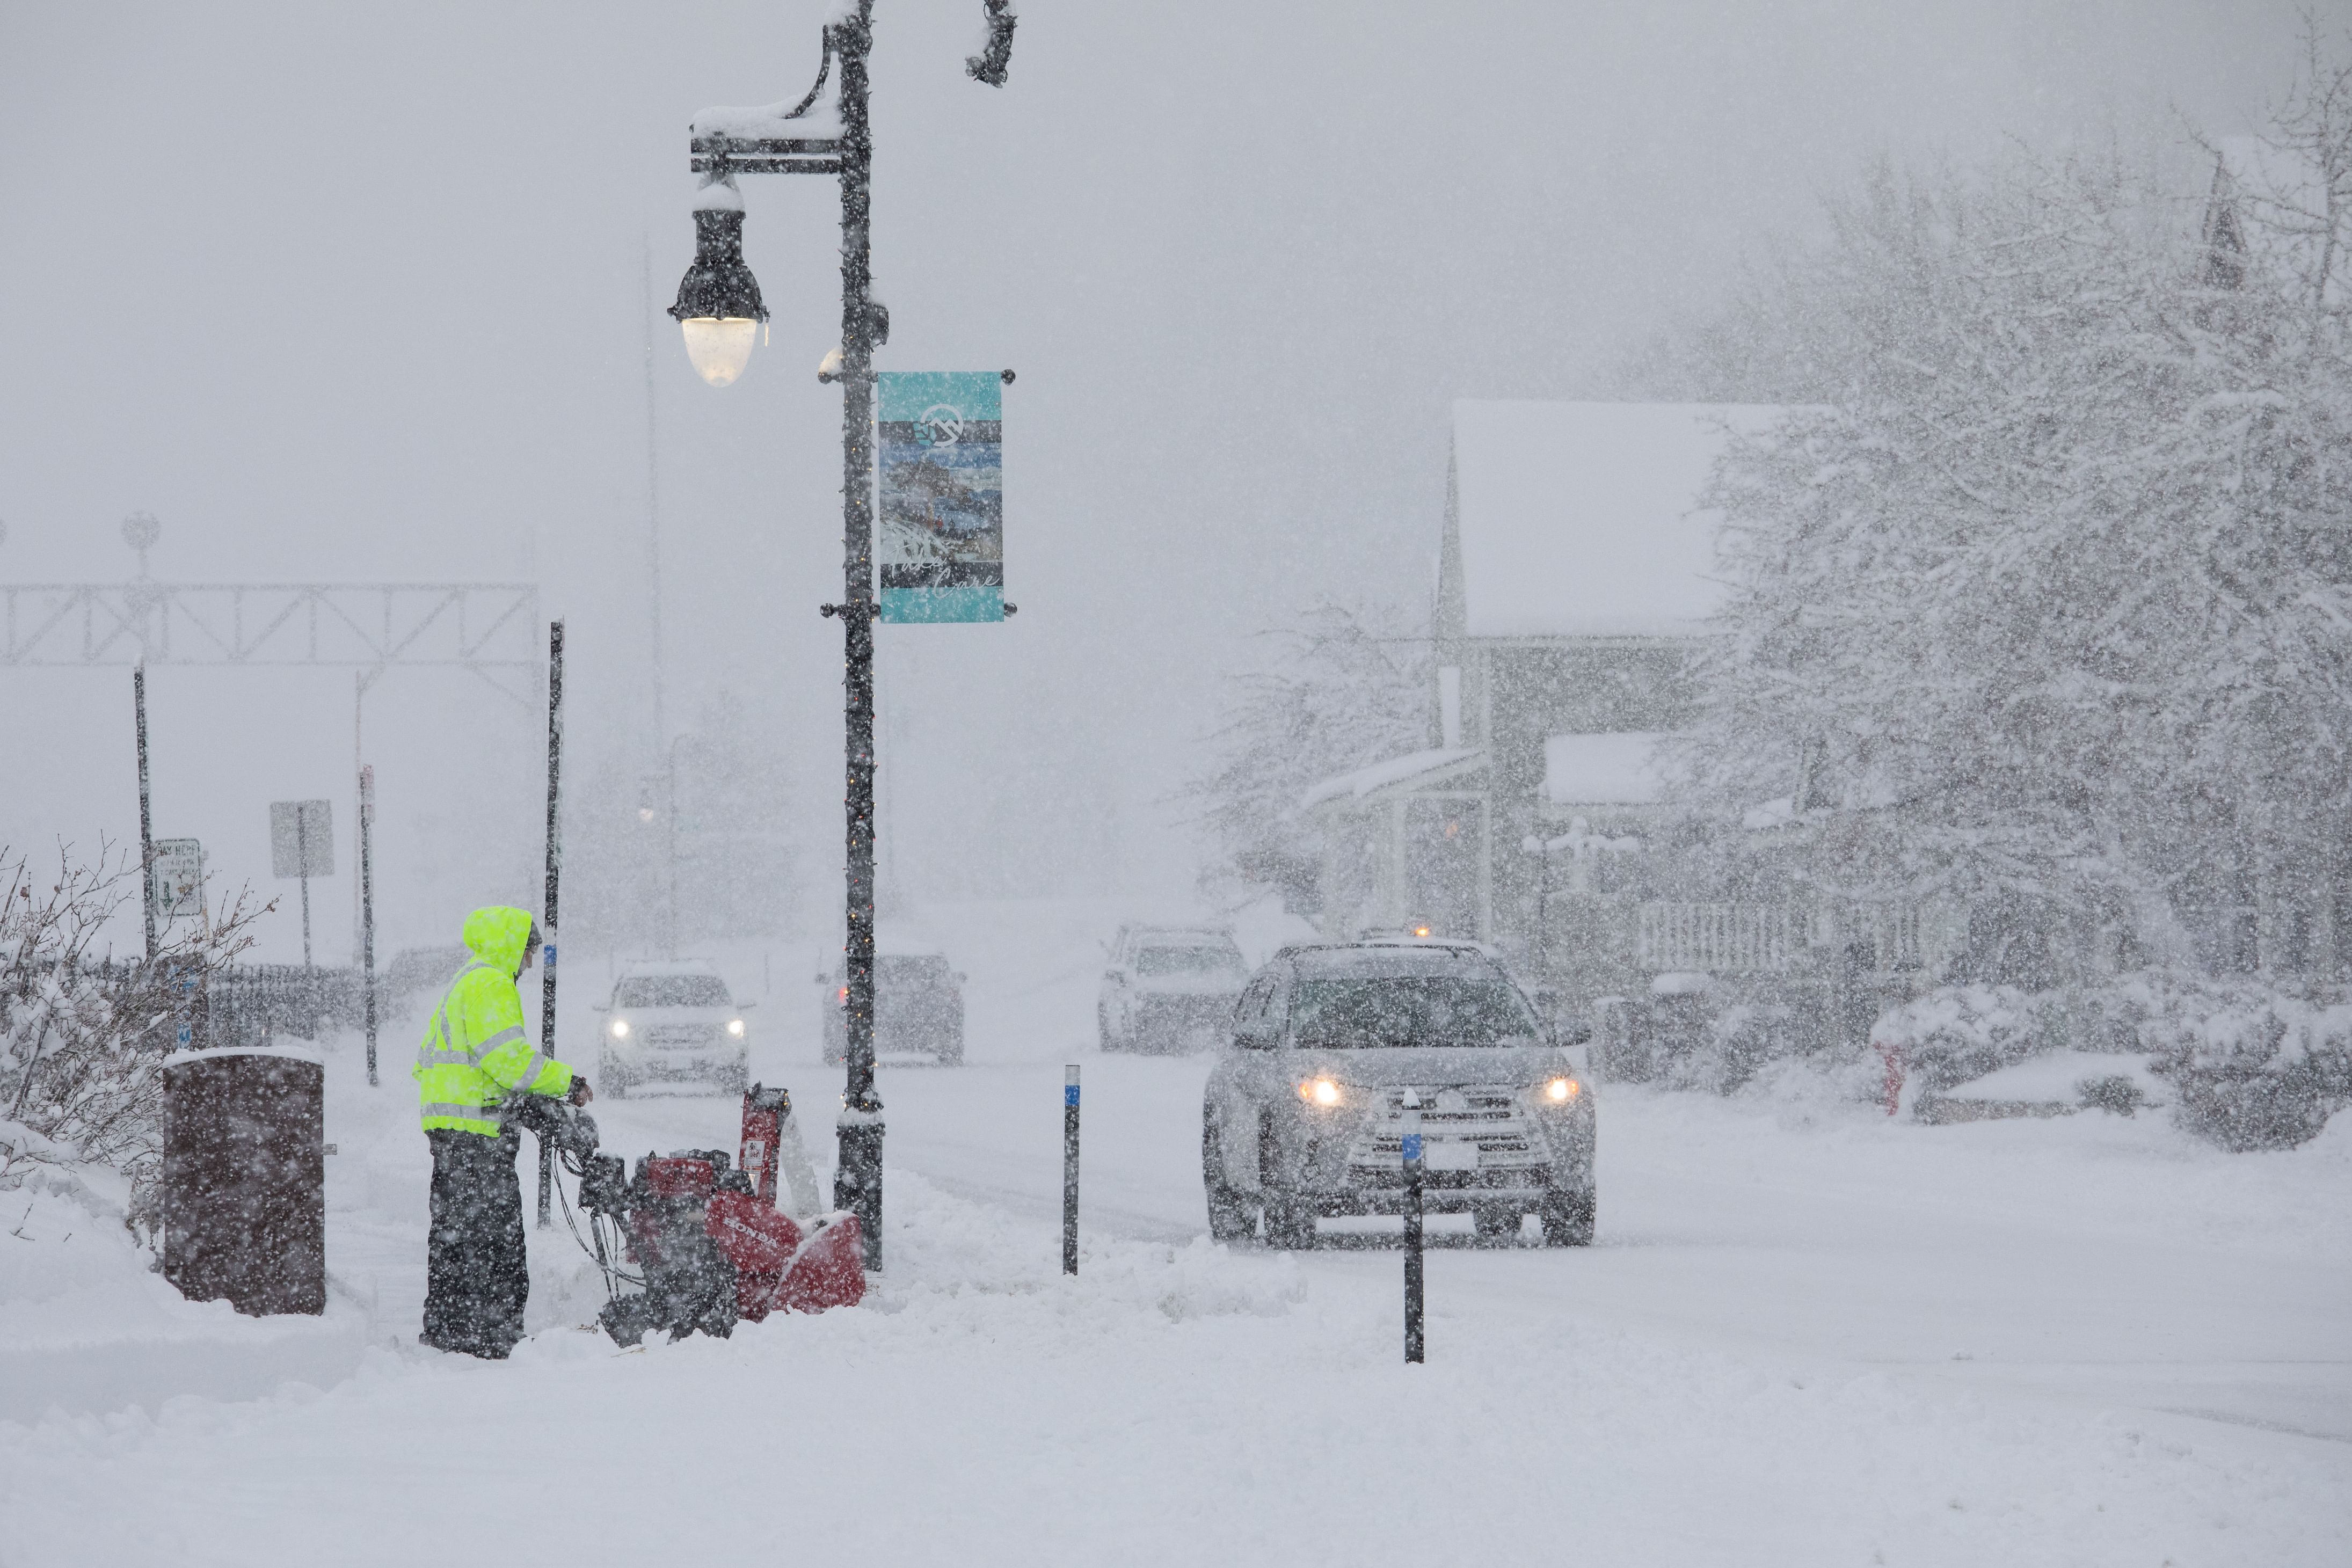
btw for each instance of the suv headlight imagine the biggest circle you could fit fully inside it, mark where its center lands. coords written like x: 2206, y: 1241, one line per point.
x: 735, y: 1027
x: 1323, y: 1092
x: 620, y: 1029
x: 1562, y: 1091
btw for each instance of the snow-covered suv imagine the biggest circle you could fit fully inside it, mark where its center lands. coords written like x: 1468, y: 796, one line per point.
x: 1301, y: 1117
x: 1168, y: 988
x: 672, y: 1023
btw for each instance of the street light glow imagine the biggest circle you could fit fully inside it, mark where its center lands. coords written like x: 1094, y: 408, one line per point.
x: 719, y: 346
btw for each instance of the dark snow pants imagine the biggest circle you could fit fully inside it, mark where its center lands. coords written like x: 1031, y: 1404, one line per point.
x: 475, y: 1275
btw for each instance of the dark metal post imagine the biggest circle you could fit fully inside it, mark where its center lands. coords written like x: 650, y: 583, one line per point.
x: 1413, y: 1258
x: 857, y: 1174
x: 302, y: 859
x: 146, y: 826
x: 554, y: 875
x: 367, y: 913
x: 1070, y: 1170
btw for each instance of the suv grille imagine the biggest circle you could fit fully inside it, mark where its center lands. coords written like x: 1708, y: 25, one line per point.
x: 1489, y: 1116
x: 680, y: 1036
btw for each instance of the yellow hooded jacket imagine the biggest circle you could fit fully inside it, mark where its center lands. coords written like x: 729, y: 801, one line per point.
x: 473, y: 1053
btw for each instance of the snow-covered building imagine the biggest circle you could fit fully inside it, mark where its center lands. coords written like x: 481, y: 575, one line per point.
x: 1576, y: 571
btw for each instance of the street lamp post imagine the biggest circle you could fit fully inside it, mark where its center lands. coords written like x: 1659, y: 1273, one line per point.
x: 720, y: 312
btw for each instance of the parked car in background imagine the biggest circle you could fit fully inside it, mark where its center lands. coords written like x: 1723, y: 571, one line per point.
x: 917, y: 1007
x: 672, y: 1023
x: 1169, y: 987
x: 1301, y: 1117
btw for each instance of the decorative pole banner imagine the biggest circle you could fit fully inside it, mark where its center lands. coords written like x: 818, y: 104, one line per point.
x: 942, y: 545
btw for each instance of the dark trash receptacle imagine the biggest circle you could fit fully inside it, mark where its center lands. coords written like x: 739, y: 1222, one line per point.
x: 245, y: 1177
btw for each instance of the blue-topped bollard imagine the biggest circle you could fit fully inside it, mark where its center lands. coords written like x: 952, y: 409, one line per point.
x: 1411, y: 1148
x: 1070, y: 1170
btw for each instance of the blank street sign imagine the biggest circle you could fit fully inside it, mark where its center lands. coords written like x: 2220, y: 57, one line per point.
x: 301, y: 839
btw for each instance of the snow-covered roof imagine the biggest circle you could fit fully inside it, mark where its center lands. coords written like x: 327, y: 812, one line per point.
x: 678, y: 967
x: 1580, y: 519
x: 1414, y: 768
x: 1604, y: 769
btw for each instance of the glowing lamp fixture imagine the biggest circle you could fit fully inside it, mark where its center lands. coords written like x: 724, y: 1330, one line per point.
x: 719, y: 300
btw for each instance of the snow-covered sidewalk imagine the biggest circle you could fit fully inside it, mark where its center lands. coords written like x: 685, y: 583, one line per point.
x: 1174, y: 1404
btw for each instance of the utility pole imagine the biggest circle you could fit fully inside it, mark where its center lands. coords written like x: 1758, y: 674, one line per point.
x: 146, y: 823
x: 367, y: 912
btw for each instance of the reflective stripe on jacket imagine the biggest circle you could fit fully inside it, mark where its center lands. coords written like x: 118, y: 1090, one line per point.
x: 473, y: 1053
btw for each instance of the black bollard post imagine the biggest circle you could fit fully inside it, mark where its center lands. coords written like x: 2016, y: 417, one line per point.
x: 1070, y: 1170
x: 1412, y: 1151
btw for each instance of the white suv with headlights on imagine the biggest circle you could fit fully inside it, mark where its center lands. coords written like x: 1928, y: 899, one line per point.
x: 669, y: 1023
x: 1168, y: 988
x: 1302, y: 1116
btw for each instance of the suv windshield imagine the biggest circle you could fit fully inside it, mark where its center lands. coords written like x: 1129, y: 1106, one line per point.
x: 1188, y: 961
x: 670, y: 991
x: 1407, y: 1004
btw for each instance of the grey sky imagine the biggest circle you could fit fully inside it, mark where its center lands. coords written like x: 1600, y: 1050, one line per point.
x: 354, y: 293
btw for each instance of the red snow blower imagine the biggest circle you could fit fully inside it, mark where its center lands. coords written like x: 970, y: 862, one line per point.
x: 709, y: 1242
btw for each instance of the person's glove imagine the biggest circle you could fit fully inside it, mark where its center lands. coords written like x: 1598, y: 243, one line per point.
x: 581, y: 1093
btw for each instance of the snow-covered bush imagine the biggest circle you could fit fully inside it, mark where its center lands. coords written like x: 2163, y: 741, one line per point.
x: 2254, y: 1068
x: 1956, y: 1034
x: 2251, y: 1066
x: 1741, y: 1039
x: 83, y: 1036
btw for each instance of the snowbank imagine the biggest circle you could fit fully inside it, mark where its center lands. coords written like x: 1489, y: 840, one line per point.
x: 87, y: 1325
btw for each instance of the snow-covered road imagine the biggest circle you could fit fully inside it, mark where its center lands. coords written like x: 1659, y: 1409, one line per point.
x: 1807, y: 1336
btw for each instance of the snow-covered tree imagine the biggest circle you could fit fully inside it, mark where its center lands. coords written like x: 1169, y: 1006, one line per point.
x: 1348, y: 685
x: 2042, y: 601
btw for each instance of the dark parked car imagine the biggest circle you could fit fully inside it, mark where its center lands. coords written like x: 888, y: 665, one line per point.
x: 1301, y: 1117
x: 917, y: 1007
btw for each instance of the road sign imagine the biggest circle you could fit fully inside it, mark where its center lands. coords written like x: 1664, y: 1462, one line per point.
x: 175, y: 886
x: 301, y: 838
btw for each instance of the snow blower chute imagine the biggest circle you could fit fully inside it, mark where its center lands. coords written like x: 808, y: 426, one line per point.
x: 709, y: 1242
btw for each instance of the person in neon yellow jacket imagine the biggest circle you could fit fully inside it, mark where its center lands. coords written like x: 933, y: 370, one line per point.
x: 474, y: 1057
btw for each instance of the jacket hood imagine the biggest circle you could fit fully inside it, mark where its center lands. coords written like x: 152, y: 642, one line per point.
x: 499, y: 934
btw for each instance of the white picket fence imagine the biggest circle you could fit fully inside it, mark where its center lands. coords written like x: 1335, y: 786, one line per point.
x: 1773, y: 938
x: 1722, y: 938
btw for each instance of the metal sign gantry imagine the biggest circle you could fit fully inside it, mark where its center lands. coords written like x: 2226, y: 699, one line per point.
x: 489, y: 629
